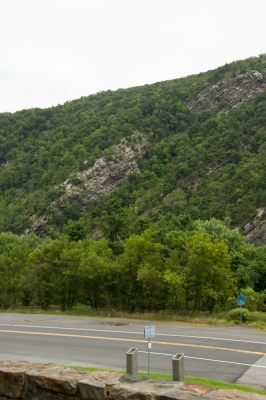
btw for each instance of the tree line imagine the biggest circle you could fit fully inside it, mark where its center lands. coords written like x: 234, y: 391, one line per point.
x: 201, y: 267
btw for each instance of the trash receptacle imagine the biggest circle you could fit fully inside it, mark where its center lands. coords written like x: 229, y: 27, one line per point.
x: 178, y: 367
x: 132, y: 361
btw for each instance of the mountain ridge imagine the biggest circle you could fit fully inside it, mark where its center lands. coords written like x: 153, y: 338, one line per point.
x: 190, y: 147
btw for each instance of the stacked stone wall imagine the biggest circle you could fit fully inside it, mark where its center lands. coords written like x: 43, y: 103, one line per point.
x: 32, y: 381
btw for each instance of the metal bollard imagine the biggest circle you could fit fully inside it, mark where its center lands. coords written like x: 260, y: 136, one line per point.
x: 132, y: 361
x: 178, y: 367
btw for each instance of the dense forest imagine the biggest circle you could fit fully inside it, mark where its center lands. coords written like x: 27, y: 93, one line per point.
x: 169, y: 237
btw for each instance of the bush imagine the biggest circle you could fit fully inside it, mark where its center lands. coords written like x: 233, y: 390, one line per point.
x: 257, y: 316
x: 247, y: 316
x: 234, y: 315
x: 254, y: 301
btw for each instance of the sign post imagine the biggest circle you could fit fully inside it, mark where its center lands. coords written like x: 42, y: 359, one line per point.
x: 241, y: 302
x: 149, y: 332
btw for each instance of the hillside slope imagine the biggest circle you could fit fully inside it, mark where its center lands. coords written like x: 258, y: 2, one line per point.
x: 130, y: 200
x: 193, y: 146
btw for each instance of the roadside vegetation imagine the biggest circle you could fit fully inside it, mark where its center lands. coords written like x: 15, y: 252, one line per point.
x: 198, y: 268
x: 256, y: 320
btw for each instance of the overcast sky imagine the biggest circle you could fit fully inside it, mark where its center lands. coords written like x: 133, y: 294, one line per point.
x: 53, y: 51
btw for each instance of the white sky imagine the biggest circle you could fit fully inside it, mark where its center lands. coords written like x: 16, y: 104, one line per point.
x: 53, y: 51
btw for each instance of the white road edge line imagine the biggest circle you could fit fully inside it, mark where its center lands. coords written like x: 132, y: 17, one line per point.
x: 129, y: 332
x: 207, y: 359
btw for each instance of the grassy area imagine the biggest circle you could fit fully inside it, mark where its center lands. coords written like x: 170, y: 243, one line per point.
x: 254, y: 319
x: 200, y: 381
x: 164, y: 316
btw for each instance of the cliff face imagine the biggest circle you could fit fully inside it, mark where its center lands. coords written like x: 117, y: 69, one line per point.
x: 103, y: 177
x: 254, y: 230
x: 220, y: 97
x: 230, y: 92
x: 87, y: 186
x: 257, y: 237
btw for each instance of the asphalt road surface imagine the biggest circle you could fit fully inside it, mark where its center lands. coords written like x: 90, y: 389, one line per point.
x: 232, y: 354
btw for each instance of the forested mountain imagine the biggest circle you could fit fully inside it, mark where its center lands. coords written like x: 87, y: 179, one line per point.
x: 144, y: 179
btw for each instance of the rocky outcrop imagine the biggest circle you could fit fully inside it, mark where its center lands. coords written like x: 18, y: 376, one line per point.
x: 87, y: 186
x: 22, y: 380
x: 257, y: 236
x: 254, y: 230
x: 103, y: 177
x: 230, y: 92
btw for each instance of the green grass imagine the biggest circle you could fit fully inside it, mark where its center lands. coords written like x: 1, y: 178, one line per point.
x: 200, y: 381
x: 163, y: 316
x: 256, y: 320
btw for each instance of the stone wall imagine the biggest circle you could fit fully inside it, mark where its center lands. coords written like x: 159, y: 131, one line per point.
x: 22, y: 380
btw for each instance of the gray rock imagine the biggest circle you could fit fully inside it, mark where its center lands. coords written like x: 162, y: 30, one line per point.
x: 101, y: 179
x: 12, y: 378
x: 92, y: 389
x: 257, y: 237
x: 61, y: 380
x: 230, y: 92
x: 51, y: 382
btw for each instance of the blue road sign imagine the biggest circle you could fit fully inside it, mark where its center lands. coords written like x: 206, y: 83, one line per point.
x: 241, y: 297
x: 241, y: 302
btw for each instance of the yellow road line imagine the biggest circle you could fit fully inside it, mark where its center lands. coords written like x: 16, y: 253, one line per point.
x: 134, y: 340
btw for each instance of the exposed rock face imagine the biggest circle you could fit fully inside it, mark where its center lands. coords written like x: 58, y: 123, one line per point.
x: 23, y: 380
x: 255, y: 229
x: 257, y: 237
x: 230, y: 92
x: 254, y: 234
x: 103, y: 177
x: 108, y: 173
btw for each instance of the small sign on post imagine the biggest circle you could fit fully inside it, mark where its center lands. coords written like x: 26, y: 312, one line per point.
x: 241, y: 302
x: 149, y: 332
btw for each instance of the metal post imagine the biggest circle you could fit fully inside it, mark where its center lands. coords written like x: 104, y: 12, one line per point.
x: 149, y: 347
x: 241, y: 314
x: 149, y: 332
x: 178, y: 367
x: 132, y: 362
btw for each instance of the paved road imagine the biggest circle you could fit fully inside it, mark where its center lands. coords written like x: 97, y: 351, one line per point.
x: 233, y: 354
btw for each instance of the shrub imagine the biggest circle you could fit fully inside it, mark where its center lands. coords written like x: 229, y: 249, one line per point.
x: 247, y: 316
x: 234, y: 315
